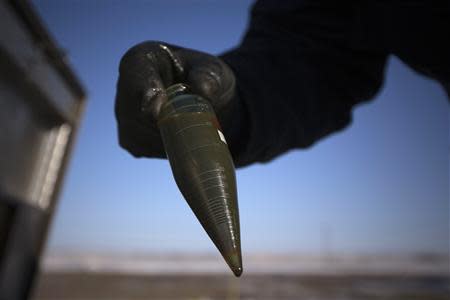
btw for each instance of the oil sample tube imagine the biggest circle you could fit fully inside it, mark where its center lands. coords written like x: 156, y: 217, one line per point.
x: 203, y: 168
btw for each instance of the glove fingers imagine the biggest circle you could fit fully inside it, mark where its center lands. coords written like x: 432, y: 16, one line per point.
x: 135, y: 103
x: 140, y: 92
x: 139, y: 140
x: 145, y: 71
x: 212, y: 79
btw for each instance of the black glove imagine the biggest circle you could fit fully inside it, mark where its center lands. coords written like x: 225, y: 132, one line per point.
x: 146, y: 70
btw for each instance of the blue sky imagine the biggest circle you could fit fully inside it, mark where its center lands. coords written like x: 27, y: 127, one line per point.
x: 380, y: 185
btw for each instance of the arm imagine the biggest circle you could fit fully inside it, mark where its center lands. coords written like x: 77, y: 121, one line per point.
x: 300, y: 70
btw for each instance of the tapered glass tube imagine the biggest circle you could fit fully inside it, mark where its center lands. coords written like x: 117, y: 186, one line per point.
x: 203, y: 168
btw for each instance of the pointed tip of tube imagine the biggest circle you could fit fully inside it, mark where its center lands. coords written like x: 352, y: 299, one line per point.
x: 237, y: 271
x: 234, y: 261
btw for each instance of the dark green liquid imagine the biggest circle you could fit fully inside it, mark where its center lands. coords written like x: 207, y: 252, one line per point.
x: 204, y: 172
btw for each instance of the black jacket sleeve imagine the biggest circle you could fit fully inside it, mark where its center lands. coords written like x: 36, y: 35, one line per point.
x: 300, y: 69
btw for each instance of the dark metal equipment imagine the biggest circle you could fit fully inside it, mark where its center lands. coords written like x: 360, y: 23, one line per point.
x: 40, y: 107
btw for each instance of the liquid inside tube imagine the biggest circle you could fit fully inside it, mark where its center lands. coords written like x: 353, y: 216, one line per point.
x: 203, y: 168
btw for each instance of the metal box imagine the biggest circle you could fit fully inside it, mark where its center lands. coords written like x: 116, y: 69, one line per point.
x: 40, y: 107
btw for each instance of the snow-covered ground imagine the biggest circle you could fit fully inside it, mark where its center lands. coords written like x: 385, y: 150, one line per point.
x: 253, y: 264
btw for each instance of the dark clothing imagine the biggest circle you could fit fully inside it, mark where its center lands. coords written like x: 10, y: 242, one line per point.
x: 303, y: 65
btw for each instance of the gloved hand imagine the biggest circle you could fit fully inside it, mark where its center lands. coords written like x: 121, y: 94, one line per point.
x: 145, y: 71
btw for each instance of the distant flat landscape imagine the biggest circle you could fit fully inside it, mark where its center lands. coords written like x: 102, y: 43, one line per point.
x: 266, y: 276
x: 102, y: 286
